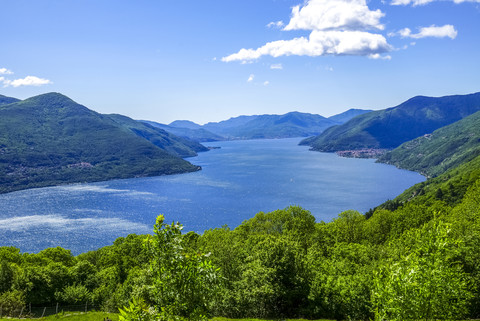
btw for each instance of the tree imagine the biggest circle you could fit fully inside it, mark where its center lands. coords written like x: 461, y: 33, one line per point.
x: 74, y: 294
x: 184, y: 280
x: 6, y: 276
x: 424, y: 280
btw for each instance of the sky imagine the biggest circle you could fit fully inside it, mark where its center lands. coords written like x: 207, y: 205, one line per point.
x: 209, y: 60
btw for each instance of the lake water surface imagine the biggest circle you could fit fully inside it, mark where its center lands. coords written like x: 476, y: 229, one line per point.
x: 237, y: 181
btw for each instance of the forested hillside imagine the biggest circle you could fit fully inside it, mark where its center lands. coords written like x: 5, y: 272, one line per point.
x: 175, y: 145
x: 445, y: 148
x: 50, y: 139
x: 391, y: 127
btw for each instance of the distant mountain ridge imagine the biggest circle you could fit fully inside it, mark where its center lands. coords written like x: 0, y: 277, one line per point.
x: 198, y: 135
x: 7, y: 100
x: 293, y: 124
x: 391, y: 127
x: 185, y: 124
x: 347, y: 115
x: 50, y: 139
x: 172, y: 144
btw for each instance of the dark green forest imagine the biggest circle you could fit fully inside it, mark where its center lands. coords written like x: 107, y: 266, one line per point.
x: 409, y: 259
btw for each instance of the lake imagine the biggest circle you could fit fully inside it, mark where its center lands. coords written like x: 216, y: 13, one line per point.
x: 237, y: 181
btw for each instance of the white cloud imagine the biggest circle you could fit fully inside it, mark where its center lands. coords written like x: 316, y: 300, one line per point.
x: 424, y: 32
x: 5, y: 71
x: 413, y: 2
x: 335, y: 15
x: 250, y: 78
x: 378, y: 56
x: 27, y: 81
x: 319, y: 43
x: 266, y: 83
x: 276, y: 24
x: 276, y: 66
x: 338, y: 27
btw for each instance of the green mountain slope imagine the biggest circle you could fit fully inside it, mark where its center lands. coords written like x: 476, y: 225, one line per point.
x: 50, y: 139
x: 446, y: 148
x: 391, y: 127
x: 173, y: 144
x: 7, y: 100
x: 449, y: 187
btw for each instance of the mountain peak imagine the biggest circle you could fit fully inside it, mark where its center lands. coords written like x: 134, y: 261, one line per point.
x: 184, y: 124
x: 53, y: 102
x: 52, y: 97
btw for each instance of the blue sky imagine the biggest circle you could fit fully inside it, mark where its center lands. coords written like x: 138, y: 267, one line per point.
x: 208, y: 60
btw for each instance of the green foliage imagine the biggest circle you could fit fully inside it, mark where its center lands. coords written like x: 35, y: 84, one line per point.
x: 423, y: 281
x: 184, y: 280
x: 6, y: 276
x: 137, y: 310
x: 348, y: 227
x: 453, y: 183
x: 12, y: 303
x: 340, y: 282
x: 74, y: 294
